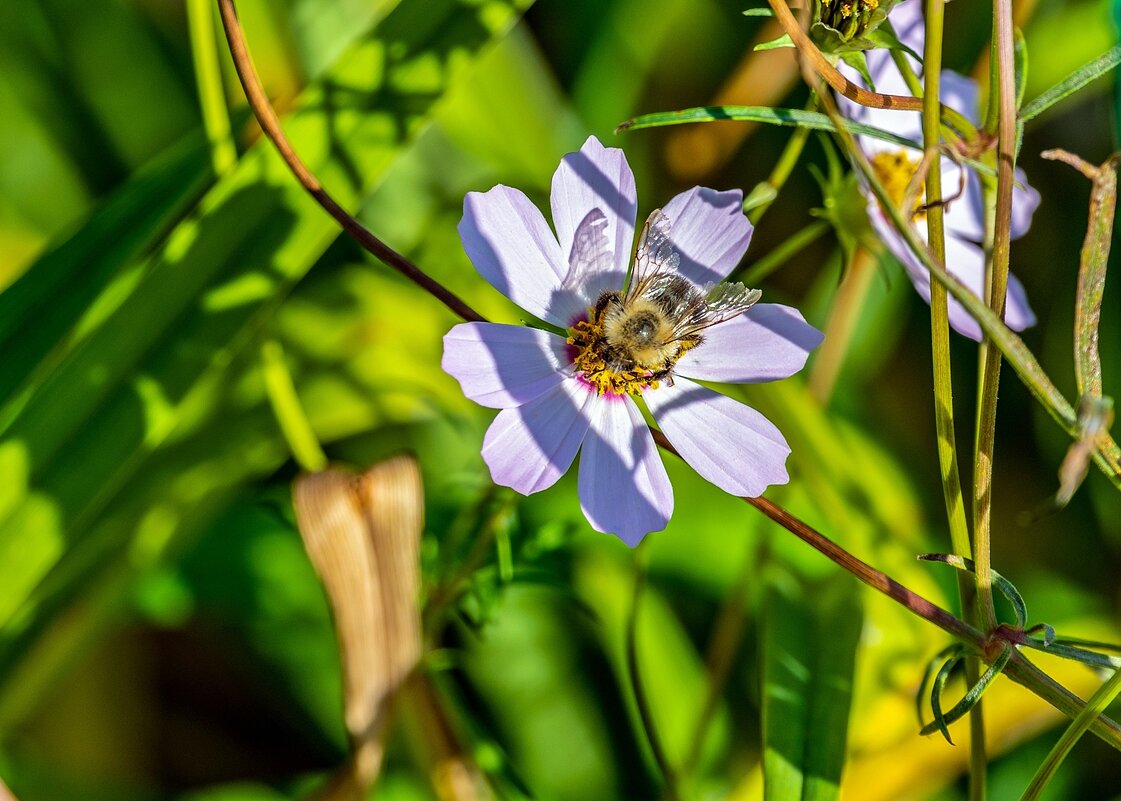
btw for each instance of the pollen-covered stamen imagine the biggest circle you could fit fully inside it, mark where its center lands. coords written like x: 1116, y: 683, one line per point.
x: 895, y: 170
x: 593, y: 362
x: 611, y: 370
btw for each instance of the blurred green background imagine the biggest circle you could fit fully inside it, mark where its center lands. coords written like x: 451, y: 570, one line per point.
x: 162, y: 634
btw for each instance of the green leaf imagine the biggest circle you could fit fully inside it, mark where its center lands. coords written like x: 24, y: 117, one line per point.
x: 1072, y: 83
x: 161, y: 365
x: 40, y: 309
x: 774, y: 44
x: 789, y: 117
x: 968, y: 701
x: 940, y: 722
x: 1020, y: 65
x: 809, y: 648
x: 1003, y: 585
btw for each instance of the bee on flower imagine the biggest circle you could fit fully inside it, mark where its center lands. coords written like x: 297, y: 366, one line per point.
x: 895, y: 166
x: 633, y: 335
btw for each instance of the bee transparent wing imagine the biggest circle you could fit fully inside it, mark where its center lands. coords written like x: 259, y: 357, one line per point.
x: 728, y: 300
x: 655, y: 257
x: 591, y: 261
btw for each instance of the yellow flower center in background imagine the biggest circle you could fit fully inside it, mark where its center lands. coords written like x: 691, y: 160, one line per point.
x: 895, y: 171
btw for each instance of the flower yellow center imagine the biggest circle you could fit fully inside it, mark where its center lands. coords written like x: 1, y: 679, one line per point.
x: 895, y: 171
x: 627, y: 346
x: 598, y: 363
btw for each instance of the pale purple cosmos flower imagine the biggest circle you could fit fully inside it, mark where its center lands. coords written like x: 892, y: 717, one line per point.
x: 894, y: 165
x: 558, y: 396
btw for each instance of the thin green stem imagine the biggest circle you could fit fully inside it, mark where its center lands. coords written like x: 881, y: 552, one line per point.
x: 943, y: 380
x: 767, y: 191
x: 289, y: 413
x: 939, y: 305
x: 212, y: 92
x: 783, y: 253
x: 1097, y: 704
x: 997, y: 288
x: 642, y: 703
x: 839, y: 329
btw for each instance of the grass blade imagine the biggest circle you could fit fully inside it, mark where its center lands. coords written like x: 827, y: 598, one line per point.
x: 809, y: 649
x: 1072, y: 83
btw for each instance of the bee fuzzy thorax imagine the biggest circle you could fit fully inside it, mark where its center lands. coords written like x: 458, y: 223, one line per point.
x: 606, y: 367
x: 632, y: 340
x: 642, y: 332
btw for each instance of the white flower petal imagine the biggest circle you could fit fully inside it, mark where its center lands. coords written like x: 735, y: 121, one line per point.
x: 624, y: 488
x: 503, y: 366
x: 529, y: 447
x: 590, y: 270
x: 726, y: 442
x: 767, y: 342
x: 709, y: 231
x: 596, y: 177
x: 511, y: 246
x: 966, y: 261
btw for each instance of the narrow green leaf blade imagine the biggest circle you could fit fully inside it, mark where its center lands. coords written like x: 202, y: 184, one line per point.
x: 789, y: 117
x: 810, y: 641
x: 1072, y: 83
x: 39, y: 309
x: 1094, y: 708
x: 158, y: 367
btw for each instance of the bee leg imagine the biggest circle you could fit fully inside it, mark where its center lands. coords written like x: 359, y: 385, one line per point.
x: 665, y: 374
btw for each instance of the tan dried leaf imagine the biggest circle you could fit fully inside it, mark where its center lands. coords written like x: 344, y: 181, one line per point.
x: 362, y: 534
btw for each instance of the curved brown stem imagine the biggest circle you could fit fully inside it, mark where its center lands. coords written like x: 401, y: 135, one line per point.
x: 877, y: 580
x: 1019, y: 669
x: 266, y: 116
x: 821, y: 65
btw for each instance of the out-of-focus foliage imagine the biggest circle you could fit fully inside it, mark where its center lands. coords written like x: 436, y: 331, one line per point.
x: 162, y: 634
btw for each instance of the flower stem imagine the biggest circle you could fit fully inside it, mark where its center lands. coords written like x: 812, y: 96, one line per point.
x: 1093, y: 709
x: 212, y: 94
x: 841, y: 325
x: 266, y: 116
x: 289, y: 413
x: 998, y: 286
x: 943, y: 379
x: 768, y: 190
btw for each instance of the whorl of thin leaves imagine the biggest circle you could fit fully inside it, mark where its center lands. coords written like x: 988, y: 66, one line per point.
x: 1003, y: 585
